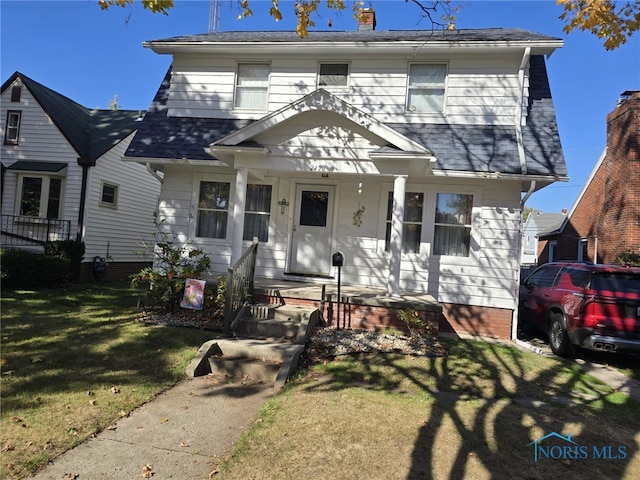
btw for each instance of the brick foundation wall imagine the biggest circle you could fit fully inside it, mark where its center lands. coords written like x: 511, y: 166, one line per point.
x: 477, y: 321
x: 458, y: 319
x: 116, y: 272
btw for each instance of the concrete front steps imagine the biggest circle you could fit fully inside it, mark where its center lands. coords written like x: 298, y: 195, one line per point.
x: 268, y: 342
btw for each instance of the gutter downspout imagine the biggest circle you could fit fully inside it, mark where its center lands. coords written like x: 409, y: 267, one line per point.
x: 514, y: 323
x: 153, y: 172
x: 519, y: 105
x: 85, y: 163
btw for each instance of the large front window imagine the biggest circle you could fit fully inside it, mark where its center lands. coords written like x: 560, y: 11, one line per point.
x: 213, y: 210
x: 252, y: 86
x: 425, y: 91
x: 453, y: 224
x: 40, y: 196
x: 257, y: 212
x: 412, y: 222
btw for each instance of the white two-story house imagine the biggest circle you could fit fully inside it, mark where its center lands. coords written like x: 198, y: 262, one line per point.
x: 411, y: 152
x: 63, y: 178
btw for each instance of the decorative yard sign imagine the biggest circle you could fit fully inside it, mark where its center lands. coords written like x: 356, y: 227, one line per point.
x: 193, y: 294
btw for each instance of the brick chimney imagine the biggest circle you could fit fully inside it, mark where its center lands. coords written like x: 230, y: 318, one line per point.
x: 367, y: 19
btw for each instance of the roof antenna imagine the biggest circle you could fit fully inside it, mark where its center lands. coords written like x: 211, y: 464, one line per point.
x: 214, y: 16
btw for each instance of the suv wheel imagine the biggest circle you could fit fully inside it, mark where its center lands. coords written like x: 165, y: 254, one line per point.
x: 558, y: 338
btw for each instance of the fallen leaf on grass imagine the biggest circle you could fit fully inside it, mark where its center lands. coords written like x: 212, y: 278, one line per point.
x: 15, y: 419
x: 123, y: 414
x: 7, y: 448
x: 147, y: 471
x: 72, y: 476
x: 112, y: 427
x: 115, y: 390
x: 212, y: 473
x: 182, y: 444
x: 36, y: 360
x: 164, y: 420
x: 92, y: 402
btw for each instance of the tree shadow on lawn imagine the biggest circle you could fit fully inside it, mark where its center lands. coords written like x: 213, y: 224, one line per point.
x: 46, y: 352
x: 486, y: 413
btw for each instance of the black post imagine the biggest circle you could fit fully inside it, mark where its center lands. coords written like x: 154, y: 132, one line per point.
x: 338, y: 306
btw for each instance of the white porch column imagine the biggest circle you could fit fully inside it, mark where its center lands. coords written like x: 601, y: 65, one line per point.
x: 395, y: 240
x: 237, y: 221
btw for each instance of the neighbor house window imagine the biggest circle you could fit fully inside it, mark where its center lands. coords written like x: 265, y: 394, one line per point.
x: 40, y: 196
x: 109, y: 196
x: 412, y: 222
x: 213, y: 210
x: 16, y: 93
x: 333, y: 75
x: 452, y: 235
x: 12, y: 130
x: 257, y: 212
x: 426, y: 85
x: 583, y: 250
x: 252, y: 85
x: 553, y: 251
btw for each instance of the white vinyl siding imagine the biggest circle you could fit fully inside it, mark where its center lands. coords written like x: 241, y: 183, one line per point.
x: 480, y: 89
x: 109, y: 196
x: 120, y: 232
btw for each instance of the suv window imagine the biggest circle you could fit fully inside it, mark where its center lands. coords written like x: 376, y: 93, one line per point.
x: 579, y: 278
x: 616, y: 282
x: 544, y: 276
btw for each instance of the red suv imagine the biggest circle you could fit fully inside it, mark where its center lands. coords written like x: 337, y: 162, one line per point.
x: 586, y: 305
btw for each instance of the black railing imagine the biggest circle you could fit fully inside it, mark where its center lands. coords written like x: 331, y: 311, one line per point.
x: 240, y: 282
x: 28, y: 231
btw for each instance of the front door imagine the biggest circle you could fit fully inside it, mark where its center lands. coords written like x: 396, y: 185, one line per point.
x: 312, y: 227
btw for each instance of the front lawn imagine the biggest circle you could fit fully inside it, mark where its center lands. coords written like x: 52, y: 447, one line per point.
x: 73, y: 361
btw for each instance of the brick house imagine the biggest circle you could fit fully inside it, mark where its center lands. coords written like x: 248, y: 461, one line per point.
x: 605, y: 219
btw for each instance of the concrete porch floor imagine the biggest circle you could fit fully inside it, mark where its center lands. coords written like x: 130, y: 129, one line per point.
x: 353, y: 294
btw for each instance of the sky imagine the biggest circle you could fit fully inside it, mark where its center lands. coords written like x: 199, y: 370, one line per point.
x: 91, y: 56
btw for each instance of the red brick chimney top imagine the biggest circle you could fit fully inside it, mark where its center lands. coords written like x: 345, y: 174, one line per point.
x: 367, y: 19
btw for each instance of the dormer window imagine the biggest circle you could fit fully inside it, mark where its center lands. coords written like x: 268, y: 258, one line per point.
x: 252, y: 86
x: 333, y: 75
x: 426, y: 85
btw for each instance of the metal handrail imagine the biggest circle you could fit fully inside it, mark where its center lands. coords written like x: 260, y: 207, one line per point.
x: 24, y: 230
x: 240, y: 285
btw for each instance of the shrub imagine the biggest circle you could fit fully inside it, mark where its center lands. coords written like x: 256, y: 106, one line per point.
x: 629, y: 258
x: 72, y: 250
x: 22, y: 269
x: 415, y: 324
x: 174, y: 262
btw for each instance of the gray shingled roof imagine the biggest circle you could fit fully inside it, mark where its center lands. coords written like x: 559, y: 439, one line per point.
x: 90, y: 132
x: 369, y: 36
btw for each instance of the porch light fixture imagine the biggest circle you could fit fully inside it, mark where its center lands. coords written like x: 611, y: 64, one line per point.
x: 283, y: 204
x: 359, y: 187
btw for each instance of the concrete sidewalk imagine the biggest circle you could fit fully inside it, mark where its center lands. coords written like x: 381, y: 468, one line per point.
x: 182, y: 434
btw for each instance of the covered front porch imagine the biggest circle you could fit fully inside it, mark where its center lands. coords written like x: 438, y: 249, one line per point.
x: 349, y: 306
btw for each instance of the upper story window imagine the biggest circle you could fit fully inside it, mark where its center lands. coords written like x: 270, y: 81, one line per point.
x: 39, y: 196
x: 333, y: 75
x: 252, y: 86
x: 109, y: 195
x: 453, y: 224
x: 412, y: 222
x: 12, y: 130
x: 426, y: 85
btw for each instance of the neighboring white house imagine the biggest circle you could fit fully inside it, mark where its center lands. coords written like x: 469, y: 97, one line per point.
x: 408, y: 151
x: 536, y: 224
x: 63, y: 177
